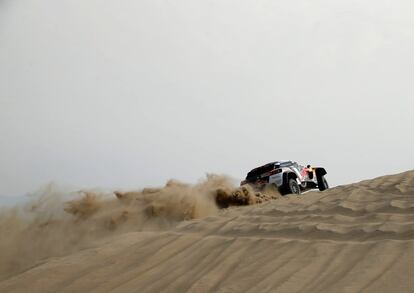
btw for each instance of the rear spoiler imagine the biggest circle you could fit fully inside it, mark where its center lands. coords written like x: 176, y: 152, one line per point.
x: 320, y: 171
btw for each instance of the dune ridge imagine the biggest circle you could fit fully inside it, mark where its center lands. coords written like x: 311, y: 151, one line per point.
x: 354, y: 238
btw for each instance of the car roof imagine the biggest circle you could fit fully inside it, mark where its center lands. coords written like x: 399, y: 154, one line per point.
x: 280, y: 162
x: 273, y: 163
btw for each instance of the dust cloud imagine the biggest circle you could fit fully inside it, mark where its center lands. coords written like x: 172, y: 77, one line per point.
x: 52, y: 225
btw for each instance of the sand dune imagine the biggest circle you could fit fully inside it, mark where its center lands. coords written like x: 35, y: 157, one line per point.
x: 355, y: 238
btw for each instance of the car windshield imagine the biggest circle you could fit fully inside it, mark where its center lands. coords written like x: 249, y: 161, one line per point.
x: 255, y: 173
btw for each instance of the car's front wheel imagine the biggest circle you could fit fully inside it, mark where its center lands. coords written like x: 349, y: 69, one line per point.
x: 293, y: 187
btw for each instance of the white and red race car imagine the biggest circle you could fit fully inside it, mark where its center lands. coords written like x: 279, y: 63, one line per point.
x: 288, y: 177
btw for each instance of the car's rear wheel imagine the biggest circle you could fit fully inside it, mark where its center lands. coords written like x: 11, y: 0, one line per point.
x: 293, y: 187
x: 322, y: 183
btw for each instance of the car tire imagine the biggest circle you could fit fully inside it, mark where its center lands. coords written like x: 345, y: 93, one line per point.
x: 322, y: 183
x: 293, y: 187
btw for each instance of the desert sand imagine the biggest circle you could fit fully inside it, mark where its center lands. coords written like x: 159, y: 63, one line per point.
x: 354, y: 238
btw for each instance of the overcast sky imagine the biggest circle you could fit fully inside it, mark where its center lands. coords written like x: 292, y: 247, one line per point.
x: 126, y: 93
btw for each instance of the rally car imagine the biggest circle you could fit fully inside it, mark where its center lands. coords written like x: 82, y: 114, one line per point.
x: 288, y: 177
